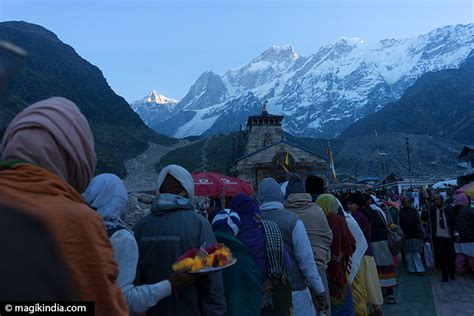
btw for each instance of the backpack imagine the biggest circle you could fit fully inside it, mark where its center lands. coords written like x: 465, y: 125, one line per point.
x: 394, y: 236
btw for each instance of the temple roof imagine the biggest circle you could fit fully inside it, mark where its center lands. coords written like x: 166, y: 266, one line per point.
x: 282, y: 142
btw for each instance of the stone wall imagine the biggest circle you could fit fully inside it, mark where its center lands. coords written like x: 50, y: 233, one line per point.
x: 304, y: 161
x: 258, y: 135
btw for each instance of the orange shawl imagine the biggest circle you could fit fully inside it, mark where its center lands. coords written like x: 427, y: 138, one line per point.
x: 77, y: 230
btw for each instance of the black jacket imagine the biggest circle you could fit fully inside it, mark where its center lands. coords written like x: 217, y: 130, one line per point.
x: 410, y: 223
x: 163, y: 236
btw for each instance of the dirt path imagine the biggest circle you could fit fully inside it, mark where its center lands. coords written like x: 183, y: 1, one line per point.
x: 141, y: 170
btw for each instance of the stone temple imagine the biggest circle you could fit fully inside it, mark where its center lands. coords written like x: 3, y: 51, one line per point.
x: 268, y: 154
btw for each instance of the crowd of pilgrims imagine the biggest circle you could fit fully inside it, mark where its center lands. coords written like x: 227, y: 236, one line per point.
x: 299, y: 252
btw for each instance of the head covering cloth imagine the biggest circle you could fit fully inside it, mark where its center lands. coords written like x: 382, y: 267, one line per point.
x: 107, y: 194
x: 54, y: 135
x: 178, y: 173
x: 342, y: 248
x: 251, y: 231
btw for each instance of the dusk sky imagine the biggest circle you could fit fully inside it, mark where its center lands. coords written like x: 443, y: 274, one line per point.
x: 166, y: 45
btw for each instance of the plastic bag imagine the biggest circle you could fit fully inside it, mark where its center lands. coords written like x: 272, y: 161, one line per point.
x: 428, y: 252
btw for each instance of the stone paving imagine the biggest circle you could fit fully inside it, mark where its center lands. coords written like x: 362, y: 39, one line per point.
x: 420, y: 296
x: 455, y: 298
x: 415, y: 296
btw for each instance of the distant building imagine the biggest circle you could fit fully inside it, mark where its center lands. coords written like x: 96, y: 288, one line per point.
x: 467, y: 154
x: 268, y: 154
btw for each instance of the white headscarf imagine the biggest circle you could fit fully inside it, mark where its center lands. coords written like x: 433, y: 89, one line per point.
x: 181, y: 175
x: 108, y: 195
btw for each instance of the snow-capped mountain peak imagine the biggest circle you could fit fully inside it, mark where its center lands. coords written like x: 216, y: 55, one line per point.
x: 154, y: 108
x: 155, y: 97
x: 277, y: 54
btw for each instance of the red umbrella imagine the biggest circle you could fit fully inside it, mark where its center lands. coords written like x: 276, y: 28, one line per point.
x: 213, y: 184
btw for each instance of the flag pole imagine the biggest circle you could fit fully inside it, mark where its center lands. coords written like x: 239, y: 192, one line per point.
x: 331, y: 164
x: 286, y: 164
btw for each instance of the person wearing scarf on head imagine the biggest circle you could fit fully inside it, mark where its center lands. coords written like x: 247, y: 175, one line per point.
x: 342, y: 248
x: 48, y: 158
x: 307, y: 287
x: 243, y: 281
x: 107, y: 194
x: 366, y: 286
x: 264, y: 241
x: 316, y: 224
x: 251, y: 232
x: 360, y: 242
x: 172, y: 228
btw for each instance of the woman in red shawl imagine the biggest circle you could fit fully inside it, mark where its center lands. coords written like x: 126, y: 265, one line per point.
x: 342, y: 248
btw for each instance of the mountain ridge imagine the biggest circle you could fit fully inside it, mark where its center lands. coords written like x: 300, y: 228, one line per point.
x: 323, y: 93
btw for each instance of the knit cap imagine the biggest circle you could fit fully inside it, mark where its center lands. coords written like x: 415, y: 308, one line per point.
x: 227, y: 220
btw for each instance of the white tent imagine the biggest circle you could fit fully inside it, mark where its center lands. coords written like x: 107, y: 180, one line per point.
x: 445, y: 184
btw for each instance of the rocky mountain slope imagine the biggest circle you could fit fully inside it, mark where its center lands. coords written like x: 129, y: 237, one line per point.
x: 320, y: 94
x: 54, y: 68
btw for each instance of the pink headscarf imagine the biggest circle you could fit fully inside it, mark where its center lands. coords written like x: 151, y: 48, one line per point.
x: 461, y: 200
x: 54, y: 135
